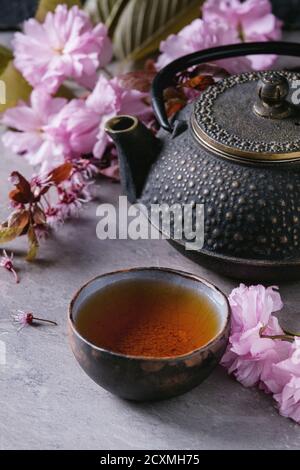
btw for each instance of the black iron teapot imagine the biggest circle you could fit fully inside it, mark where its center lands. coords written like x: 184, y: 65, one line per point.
x: 236, y: 150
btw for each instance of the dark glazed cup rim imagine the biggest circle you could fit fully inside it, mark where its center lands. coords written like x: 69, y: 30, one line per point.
x: 177, y: 272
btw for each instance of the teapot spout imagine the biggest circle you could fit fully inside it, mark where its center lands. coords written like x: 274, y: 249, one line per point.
x: 137, y: 149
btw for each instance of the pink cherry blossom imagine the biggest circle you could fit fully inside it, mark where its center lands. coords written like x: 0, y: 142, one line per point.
x: 291, y: 365
x: 30, y: 137
x: 75, y: 191
x: 249, y: 356
x: 71, y: 198
x: 251, y: 20
x: 67, y: 198
x: 252, y: 306
x: 289, y: 399
x: 82, y: 124
x: 77, y: 134
x: 65, y: 46
x: 107, y: 100
x: 284, y: 382
x: 69, y: 202
x: 42, y: 130
x: 84, y: 170
x: 251, y: 368
x: 201, y: 35
x: 283, y: 371
x: 53, y: 216
x: 259, y: 352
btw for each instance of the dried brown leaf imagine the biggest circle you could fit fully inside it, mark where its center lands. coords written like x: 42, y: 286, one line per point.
x: 61, y: 173
x: 140, y: 80
x: 19, y: 219
x: 174, y: 105
x: 17, y: 196
x: 23, y: 191
x: 14, y: 226
x: 200, y: 83
x: 39, y: 216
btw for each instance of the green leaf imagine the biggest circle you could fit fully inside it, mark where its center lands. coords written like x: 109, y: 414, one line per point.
x: 16, y: 87
x: 143, y: 24
x: 104, y: 8
x: 33, y: 245
x: 45, y: 6
x: 106, y: 11
x: 115, y: 9
x: 7, y: 234
x: 5, y: 56
x: 14, y: 226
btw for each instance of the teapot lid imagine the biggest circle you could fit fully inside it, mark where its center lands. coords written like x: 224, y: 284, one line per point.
x: 252, y: 116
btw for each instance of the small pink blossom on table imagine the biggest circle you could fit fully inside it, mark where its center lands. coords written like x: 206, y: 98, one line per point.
x: 6, y: 262
x: 66, y: 45
x: 23, y: 319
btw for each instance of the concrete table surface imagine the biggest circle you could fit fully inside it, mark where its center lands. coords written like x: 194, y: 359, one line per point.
x: 47, y: 401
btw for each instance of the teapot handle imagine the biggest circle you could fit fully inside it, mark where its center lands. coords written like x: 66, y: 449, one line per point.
x: 164, y: 78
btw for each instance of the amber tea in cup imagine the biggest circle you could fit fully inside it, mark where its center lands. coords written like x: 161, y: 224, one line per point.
x: 148, y: 333
x: 149, y: 318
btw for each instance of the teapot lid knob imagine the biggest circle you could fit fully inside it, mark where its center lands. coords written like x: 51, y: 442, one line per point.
x: 273, y: 90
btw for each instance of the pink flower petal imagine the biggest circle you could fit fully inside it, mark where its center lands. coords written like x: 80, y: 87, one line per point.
x: 66, y: 45
x: 252, y: 19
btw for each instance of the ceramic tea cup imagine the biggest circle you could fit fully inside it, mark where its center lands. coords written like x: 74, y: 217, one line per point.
x: 144, y: 378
